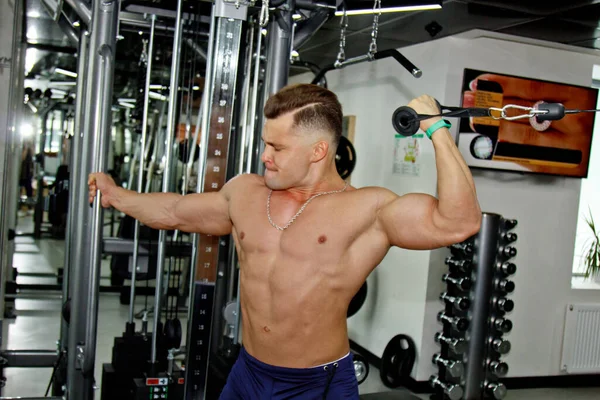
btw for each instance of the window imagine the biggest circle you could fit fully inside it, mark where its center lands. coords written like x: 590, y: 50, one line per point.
x: 589, y: 199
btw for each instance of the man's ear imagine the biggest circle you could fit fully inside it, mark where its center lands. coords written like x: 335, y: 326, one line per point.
x: 320, y: 150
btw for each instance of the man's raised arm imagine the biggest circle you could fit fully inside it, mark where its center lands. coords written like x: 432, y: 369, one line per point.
x: 419, y: 221
x: 206, y: 213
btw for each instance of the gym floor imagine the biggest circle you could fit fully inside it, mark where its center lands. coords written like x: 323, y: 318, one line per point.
x: 37, y: 326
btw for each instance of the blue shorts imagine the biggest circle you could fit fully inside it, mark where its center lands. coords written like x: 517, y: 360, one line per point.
x: 251, y: 379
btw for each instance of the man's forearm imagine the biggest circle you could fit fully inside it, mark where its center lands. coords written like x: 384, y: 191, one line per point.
x: 456, y: 189
x: 152, y: 209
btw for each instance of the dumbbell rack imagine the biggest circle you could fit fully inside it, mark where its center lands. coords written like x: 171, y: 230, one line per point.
x: 474, y: 323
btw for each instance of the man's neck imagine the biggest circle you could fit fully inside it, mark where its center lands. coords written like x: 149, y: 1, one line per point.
x: 326, y: 183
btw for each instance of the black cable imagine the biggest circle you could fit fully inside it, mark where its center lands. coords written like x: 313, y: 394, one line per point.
x: 54, y: 369
x: 580, y: 111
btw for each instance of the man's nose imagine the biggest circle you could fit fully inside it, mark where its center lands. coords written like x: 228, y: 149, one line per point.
x: 264, y: 156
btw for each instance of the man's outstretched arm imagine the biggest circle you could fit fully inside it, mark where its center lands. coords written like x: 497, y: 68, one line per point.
x: 419, y: 221
x: 206, y: 213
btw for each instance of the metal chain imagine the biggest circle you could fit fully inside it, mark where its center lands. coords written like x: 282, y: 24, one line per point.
x: 264, y: 14
x: 301, y: 208
x: 342, y: 53
x: 144, y: 54
x: 376, y: 15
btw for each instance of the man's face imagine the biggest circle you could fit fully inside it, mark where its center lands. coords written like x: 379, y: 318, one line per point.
x: 287, y: 154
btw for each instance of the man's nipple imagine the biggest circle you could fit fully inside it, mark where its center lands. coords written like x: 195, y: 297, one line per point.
x: 242, y: 235
x: 322, y: 239
x: 266, y: 329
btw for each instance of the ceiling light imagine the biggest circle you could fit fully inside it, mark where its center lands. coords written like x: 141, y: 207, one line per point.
x: 397, y: 6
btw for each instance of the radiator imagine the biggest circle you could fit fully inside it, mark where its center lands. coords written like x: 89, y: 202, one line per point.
x: 581, y: 341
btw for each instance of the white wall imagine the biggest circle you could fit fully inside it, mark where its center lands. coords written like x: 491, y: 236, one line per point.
x: 404, y: 290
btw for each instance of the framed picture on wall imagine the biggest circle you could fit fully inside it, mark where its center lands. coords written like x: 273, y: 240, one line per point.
x: 526, y: 145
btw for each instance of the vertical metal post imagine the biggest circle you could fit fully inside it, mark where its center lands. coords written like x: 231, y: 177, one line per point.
x: 487, y: 242
x: 171, y: 129
x: 87, y: 244
x: 246, y: 100
x: 279, y: 47
x: 221, y: 81
x: 11, y: 83
x: 75, y: 171
x: 206, y: 96
x: 254, y: 114
x: 136, y: 237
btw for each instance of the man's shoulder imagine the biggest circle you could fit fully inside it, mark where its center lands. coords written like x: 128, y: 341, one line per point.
x: 376, y: 195
x: 243, y: 182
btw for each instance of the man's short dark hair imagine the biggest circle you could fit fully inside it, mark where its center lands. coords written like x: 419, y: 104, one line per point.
x: 315, y: 107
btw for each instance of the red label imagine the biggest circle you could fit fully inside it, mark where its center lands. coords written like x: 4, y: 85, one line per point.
x: 181, y: 381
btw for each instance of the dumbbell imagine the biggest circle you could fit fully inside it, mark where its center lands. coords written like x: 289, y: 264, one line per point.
x: 508, y: 224
x: 502, y: 346
x: 458, y: 323
x: 507, y: 251
x: 507, y: 268
x: 460, y: 283
x: 504, y: 285
x: 510, y: 237
x: 461, y: 249
x: 504, y: 305
x: 497, y: 367
x: 503, y: 325
x: 454, y: 392
x: 496, y: 389
x: 458, y: 346
x: 458, y: 265
x: 454, y: 367
x: 460, y: 303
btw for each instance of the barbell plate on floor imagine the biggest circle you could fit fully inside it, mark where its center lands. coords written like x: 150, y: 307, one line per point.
x: 397, y: 361
x: 345, y: 158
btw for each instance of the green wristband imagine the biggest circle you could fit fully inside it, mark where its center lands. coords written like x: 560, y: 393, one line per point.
x: 444, y: 123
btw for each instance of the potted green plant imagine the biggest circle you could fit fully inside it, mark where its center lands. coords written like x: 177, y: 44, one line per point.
x: 591, y: 252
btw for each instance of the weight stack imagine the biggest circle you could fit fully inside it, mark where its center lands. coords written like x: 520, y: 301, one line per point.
x: 474, y: 319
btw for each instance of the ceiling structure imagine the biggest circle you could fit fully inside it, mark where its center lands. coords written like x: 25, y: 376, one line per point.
x: 574, y: 22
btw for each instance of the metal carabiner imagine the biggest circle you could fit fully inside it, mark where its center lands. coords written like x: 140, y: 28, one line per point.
x: 531, y: 112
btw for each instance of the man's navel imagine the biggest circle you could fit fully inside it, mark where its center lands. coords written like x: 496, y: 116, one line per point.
x: 322, y: 239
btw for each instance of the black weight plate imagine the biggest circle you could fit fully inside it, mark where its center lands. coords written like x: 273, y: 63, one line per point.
x: 357, y: 301
x: 361, y: 367
x: 185, y: 148
x: 397, y: 361
x: 345, y: 158
x: 172, y: 333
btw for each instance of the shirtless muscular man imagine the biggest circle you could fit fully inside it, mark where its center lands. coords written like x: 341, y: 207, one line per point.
x: 307, y: 240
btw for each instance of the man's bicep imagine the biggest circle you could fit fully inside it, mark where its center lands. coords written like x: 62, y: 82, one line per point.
x: 410, y: 222
x: 206, y: 213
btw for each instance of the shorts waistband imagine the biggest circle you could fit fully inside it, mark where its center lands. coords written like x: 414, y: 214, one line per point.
x: 310, y: 371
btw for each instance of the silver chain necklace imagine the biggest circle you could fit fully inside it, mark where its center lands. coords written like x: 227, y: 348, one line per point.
x: 301, y: 208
